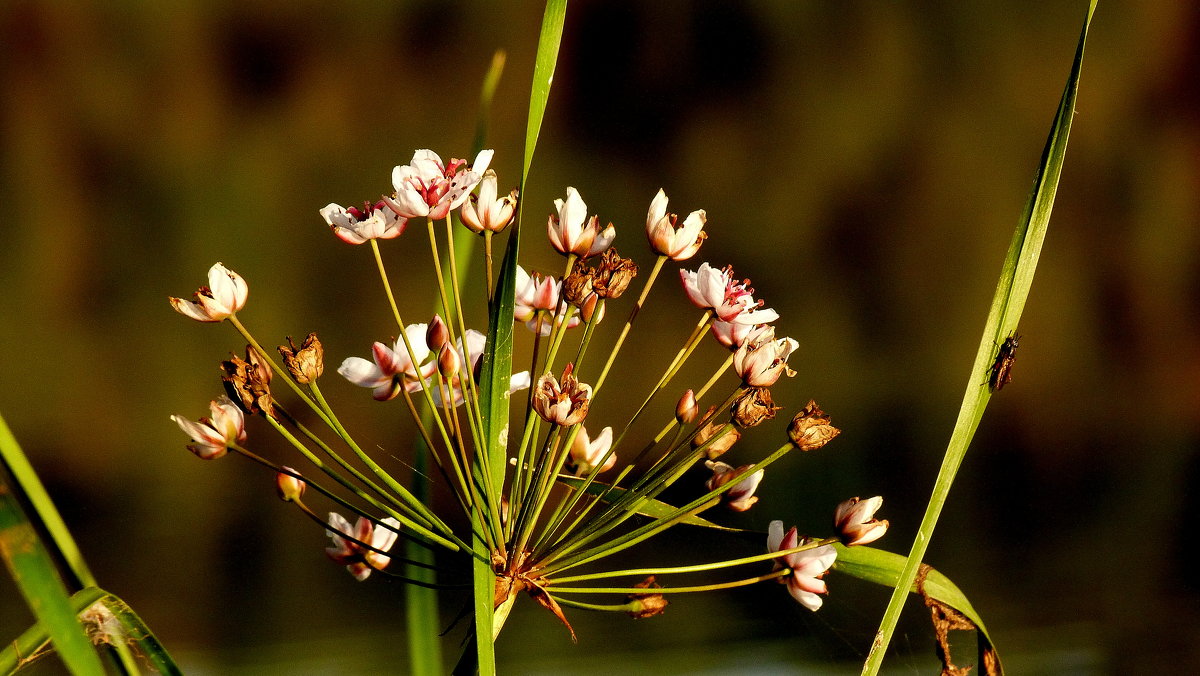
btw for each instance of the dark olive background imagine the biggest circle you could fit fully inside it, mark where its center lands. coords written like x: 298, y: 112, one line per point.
x: 864, y: 163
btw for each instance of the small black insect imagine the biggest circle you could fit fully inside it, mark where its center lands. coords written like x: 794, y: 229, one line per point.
x: 1001, y: 371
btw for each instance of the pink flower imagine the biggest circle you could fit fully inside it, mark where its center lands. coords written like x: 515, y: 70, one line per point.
x: 393, y: 367
x: 740, y: 496
x: 537, y: 297
x: 355, y: 226
x: 586, y: 453
x: 572, y: 232
x: 426, y: 188
x: 762, y: 359
x: 807, y: 566
x: 360, y: 560
x: 225, y: 294
x: 731, y: 334
x: 677, y: 244
x: 475, y: 344
x: 732, y: 301
x: 485, y: 211
x: 855, y: 521
x: 213, y: 436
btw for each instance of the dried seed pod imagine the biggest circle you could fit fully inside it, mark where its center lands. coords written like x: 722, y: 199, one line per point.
x: 307, y: 362
x: 248, y: 382
x: 651, y: 604
x: 753, y: 407
x: 811, y: 429
x: 614, y: 274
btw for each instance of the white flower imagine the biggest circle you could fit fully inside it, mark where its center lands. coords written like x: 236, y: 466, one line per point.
x: 587, y: 453
x: 855, y: 521
x: 762, y: 359
x: 225, y: 294
x: 485, y: 211
x: 807, y: 566
x: 572, y: 232
x: 355, y: 226
x: 732, y: 334
x: 214, y: 435
x: 740, y: 496
x: 731, y: 301
x: 677, y: 244
x: 426, y: 188
x: 393, y: 367
x: 360, y: 560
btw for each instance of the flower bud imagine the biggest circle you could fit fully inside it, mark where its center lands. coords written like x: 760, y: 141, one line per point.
x: 448, y: 361
x: 437, y: 334
x: 614, y: 274
x: 248, y: 382
x: 289, y: 486
x: 855, y: 521
x: 754, y: 407
x: 811, y: 429
x: 307, y: 362
x: 649, y: 605
x: 721, y: 434
x: 687, y: 409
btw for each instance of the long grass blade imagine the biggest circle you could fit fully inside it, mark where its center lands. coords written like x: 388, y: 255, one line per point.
x: 1016, y: 278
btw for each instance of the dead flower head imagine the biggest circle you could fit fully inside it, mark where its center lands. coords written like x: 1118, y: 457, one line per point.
x: 754, y: 407
x: 810, y: 429
x: 307, y: 362
x: 721, y: 434
x: 248, y: 382
x: 649, y: 604
x: 613, y: 275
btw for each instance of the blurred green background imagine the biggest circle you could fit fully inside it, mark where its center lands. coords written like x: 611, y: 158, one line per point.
x: 864, y: 163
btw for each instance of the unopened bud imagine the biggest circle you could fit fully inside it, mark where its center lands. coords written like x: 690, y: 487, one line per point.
x: 754, y: 407
x: 647, y: 605
x: 811, y: 429
x: 307, y: 362
x: 687, y: 409
x: 448, y: 361
x: 614, y: 274
x: 248, y: 382
x: 437, y: 334
x: 591, y: 306
x: 289, y: 486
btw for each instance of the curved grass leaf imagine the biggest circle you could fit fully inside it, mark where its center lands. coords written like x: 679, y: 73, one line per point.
x: 1016, y: 277
x: 119, y: 624
x: 37, y: 578
x: 652, y: 508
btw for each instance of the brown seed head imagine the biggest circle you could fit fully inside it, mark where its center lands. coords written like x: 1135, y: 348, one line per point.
x: 307, y: 362
x: 810, y: 429
x: 248, y: 382
x: 754, y: 407
x: 577, y: 287
x: 614, y: 274
x: 649, y: 605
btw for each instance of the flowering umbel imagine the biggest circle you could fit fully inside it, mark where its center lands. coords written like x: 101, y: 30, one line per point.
x: 225, y: 295
x: 213, y: 436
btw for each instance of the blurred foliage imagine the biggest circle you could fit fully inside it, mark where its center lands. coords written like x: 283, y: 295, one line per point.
x: 837, y: 148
